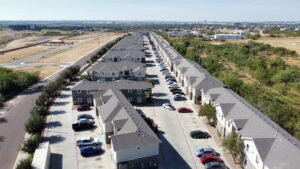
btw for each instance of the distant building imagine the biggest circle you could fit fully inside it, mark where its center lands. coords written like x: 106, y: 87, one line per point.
x: 110, y: 71
x: 136, y: 92
x: 23, y: 27
x: 228, y: 36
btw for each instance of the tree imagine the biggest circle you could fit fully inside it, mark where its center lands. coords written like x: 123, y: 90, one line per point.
x: 209, y: 111
x: 31, y: 144
x: 234, y: 144
x: 35, y: 124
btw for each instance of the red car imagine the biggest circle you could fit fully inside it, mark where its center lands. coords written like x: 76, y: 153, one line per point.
x: 185, y: 110
x: 210, y: 158
x: 83, y: 107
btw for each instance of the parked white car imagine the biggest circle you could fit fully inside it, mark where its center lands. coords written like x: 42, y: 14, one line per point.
x: 168, y: 106
x: 88, y: 141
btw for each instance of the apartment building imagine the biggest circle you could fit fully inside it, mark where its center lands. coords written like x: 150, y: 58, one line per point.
x: 111, y: 71
x: 267, y: 145
x: 129, y: 49
x: 136, y: 92
x: 228, y: 36
x: 134, y: 145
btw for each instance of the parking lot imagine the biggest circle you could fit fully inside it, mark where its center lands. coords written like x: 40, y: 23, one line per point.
x: 64, y: 152
x: 177, y: 149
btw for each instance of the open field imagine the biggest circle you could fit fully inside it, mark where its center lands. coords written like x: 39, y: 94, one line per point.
x: 77, y: 51
x: 23, y: 53
x: 26, y: 41
x: 291, y: 43
x: 286, y: 42
x: 69, y: 55
x: 43, y: 71
x: 84, y: 36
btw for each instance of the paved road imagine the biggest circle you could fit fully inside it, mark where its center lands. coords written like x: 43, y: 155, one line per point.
x: 12, y: 125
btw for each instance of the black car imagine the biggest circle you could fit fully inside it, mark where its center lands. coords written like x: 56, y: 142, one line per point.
x: 177, y: 90
x: 199, y: 134
x: 83, y: 124
x: 169, y: 76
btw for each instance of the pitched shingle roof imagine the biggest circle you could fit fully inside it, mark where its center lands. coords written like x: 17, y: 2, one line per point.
x: 117, y: 66
x: 119, y: 84
x: 131, y: 130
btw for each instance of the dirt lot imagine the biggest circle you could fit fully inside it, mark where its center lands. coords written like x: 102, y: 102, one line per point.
x: 77, y: 51
x: 43, y: 71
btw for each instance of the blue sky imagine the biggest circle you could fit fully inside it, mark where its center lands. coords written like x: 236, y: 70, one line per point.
x: 155, y: 10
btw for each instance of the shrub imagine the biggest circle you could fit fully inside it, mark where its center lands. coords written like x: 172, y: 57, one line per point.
x: 24, y: 163
x: 31, y: 144
x: 35, y: 124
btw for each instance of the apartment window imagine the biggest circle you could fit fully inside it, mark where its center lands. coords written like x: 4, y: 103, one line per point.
x: 89, y: 92
x: 130, y: 99
x: 139, y: 100
x: 79, y: 100
x: 103, y: 73
x: 78, y: 91
x: 247, y: 147
x: 138, y: 58
x: 129, y: 90
x: 139, y: 91
x: 140, y: 73
x: 89, y: 100
x: 113, y: 73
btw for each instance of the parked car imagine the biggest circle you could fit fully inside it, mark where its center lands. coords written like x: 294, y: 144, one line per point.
x: 173, y: 90
x: 202, y: 151
x: 84, y: 116
x: 83, y: 107
x: 178, y: 92
x: 185, y: 110
x: 171, y: 80
x: 178, y: 98
x: 169, y: 76
x: 199, y: 134
x: 168, y: 106
x: 163, y: 69
x: 90, y: 150
x: 82, y: 124
x: 88, y: 141
x: 206, y: 158
x: 215, y: 165
x: 171, y: 83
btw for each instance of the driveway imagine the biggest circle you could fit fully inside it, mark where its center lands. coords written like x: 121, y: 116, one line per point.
x: 177, y: 149
x: 62, y: 138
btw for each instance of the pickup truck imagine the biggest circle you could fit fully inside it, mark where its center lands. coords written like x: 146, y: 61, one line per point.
x: 83, y: 124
